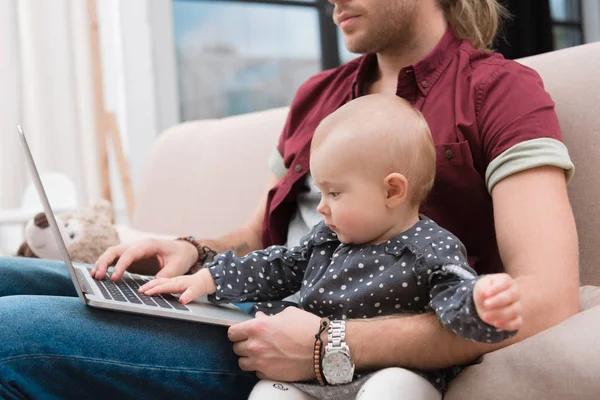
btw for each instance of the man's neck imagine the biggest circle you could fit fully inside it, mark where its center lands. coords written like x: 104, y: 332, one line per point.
x: 391, y: 61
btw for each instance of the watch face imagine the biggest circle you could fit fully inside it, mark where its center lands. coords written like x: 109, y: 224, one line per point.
x: 337, y: 367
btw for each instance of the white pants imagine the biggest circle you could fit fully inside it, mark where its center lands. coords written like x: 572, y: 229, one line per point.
x: 389, y: 383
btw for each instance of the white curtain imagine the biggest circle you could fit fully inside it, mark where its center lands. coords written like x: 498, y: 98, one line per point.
x: 46, y: 85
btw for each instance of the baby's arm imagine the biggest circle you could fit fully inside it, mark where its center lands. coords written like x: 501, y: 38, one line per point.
x: 269, y: 274
x: 452, y: 285
x: 262, y: 275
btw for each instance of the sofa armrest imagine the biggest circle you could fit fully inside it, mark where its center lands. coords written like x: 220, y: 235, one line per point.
x: 206, y: 177
x: 559, y: 363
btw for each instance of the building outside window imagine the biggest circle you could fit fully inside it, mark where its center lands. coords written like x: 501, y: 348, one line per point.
x: 238, y: 57
x: 567, y: 27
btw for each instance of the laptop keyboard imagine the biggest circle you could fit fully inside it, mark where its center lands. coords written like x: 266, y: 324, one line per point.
x: 126, y: 290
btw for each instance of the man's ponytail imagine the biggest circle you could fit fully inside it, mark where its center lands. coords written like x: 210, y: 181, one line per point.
x: 474, y: 20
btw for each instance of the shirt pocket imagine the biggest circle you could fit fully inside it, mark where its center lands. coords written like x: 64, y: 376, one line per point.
x: 455, y: 174
x: 453, y: 154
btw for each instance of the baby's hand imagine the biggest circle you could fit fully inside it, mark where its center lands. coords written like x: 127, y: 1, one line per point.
x: 496, y: 298
x: 191, y: 286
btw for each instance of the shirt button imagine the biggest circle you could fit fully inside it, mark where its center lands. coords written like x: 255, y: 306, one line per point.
x: 424, y: 84
x: 298, y: 168
x: 448, y: 154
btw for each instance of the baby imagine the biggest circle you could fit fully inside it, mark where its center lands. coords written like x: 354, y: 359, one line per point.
x: 373, y: 254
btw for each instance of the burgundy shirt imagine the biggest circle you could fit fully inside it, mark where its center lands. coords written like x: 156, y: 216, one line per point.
x: 477, y: 105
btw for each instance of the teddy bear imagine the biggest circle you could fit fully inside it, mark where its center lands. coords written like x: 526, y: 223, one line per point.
x: 87, y: 233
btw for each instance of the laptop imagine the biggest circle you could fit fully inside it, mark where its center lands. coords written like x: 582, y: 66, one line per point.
x: 123, y: 295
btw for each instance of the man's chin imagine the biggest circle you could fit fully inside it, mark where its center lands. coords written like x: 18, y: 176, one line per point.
x: 356, y: 45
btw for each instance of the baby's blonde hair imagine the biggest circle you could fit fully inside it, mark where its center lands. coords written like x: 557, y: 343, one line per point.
x: 388, y: 127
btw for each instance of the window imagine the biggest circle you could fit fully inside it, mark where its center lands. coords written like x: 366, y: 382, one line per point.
x: 240, y: 56
x: 566, y: 23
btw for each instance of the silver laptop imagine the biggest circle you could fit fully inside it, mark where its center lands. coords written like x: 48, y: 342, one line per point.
x: 123, y: 295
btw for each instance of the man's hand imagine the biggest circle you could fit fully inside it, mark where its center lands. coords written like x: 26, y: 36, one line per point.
x: 192, y: 286
x: 175, y: 257
x: 280, y: 347
x: 496, y: 298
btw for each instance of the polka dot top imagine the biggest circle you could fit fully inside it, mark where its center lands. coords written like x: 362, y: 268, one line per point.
x: 423, y: 269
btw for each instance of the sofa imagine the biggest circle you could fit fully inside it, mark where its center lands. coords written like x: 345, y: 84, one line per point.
x: 206, y: 178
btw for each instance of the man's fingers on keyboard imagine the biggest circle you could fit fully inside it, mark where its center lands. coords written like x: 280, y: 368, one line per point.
x: 130, y: 255
x: 106, y: 259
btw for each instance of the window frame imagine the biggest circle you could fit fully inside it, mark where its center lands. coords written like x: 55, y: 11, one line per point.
x: 573, y: 24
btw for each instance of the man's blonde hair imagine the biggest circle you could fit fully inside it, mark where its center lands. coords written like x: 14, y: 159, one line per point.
x: 388, y: 127
x: 474, y: 20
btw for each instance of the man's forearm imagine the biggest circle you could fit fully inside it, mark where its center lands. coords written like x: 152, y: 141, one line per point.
x: 420, y: 341
x: 415, y: 341
x: 241, y: 241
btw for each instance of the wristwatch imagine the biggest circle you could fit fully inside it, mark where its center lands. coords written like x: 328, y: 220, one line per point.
x: 337, y: 364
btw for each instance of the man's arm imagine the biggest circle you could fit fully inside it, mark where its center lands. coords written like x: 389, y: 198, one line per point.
x: 538, y: 245
x: 248, y: 237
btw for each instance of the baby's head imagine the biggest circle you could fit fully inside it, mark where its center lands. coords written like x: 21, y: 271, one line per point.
x: 374, y: 161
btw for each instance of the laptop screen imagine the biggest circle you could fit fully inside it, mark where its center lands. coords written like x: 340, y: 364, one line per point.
x: 49, y: 213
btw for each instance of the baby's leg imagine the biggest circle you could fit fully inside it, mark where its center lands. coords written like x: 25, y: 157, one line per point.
x: 397, y: 384
x: 271, y: 390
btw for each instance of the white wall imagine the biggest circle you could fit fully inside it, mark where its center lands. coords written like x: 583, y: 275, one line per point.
x: 139, y: 78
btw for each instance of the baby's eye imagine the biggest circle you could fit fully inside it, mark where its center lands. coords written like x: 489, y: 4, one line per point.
x: 72, y: 236
x: 334, y: 194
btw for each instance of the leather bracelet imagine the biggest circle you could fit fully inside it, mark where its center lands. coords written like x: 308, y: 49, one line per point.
x: 205, y: 254
x: 318, y: 352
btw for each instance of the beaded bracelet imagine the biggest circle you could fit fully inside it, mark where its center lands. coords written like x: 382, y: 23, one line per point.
x: 205, y: 254
x: 318, y: 354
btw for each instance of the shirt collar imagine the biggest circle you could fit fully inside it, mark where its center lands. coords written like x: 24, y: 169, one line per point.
x: 421, y: 76
x: 413, y: 238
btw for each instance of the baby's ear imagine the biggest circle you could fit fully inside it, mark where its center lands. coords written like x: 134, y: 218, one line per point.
x: 397, y: 189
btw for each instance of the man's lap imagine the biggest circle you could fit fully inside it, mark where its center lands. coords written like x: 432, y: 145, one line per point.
x: 19, y: 275
x: 56, y: 345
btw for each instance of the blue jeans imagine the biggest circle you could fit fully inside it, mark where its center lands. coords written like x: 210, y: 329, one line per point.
x: 54, y: 347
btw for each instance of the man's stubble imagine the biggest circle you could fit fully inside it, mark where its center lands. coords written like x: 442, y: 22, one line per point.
x: 390, y: 27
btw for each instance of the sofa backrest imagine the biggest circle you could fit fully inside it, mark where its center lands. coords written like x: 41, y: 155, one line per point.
x: 206, y: 177
x: 572, y: 77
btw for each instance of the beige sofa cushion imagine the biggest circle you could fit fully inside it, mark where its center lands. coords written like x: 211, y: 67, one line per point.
x: 206, y: 177
x: 560, y: 363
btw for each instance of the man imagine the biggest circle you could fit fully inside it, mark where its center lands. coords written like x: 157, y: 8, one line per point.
x: 484, y: 113
x: 402, y: 33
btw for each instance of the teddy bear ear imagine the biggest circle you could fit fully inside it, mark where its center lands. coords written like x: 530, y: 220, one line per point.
x: 103, y: 208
